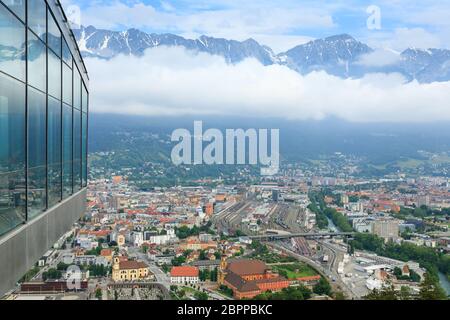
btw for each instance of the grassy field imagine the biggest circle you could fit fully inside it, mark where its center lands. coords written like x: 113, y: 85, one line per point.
x: 294, y: 270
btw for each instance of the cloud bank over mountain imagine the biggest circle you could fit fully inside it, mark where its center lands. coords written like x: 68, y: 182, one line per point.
x: 176, y: 81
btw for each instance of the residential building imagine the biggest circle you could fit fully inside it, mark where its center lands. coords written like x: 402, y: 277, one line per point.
x: 107, y: 254
x: 387, y: 229
x: 184, y: 275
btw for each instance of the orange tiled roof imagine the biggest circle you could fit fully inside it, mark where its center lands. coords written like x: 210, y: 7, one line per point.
x: 184, y: 271
x: 106, y: 252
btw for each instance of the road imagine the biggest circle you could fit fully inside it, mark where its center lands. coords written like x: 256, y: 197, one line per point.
x: 323, y: 271
x: 160, y: 276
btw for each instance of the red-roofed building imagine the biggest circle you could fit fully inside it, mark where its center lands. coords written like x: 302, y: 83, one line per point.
x: 184, y: 275
x: 249, y: 278
x: 107, y: 254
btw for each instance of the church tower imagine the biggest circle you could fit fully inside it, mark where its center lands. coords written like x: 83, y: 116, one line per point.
x: 222, y: 270
x: 223, y: 266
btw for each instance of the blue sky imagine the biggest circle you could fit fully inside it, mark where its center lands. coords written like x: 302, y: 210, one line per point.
x: 279, y: 24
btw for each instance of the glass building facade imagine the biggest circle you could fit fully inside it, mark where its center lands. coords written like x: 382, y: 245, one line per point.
x: 43, y: 111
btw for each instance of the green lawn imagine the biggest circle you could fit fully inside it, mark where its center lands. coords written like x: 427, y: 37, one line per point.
x: 295, y: 270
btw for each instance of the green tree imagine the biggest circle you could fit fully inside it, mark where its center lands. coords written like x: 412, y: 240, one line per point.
x: 52, y: 274
x: 429, y: 290
x: 98, y: 294
x: 386, y: 293
x: 200, y: 296
x: 339, y: 296
x: 405, y: 293
x: 202, y: 256
x: 322, y: 287
x: 213, y: 275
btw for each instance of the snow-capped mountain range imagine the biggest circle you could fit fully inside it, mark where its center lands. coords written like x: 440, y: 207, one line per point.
x: 339, y: 55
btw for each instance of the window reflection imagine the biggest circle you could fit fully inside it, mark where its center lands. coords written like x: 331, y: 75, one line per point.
x: 84, y: 149
x: 54, y: 35
x: 76, y: 89
x: 54, y: 160
x: 67, y: 84
x: 76, y: 150
x: 67, y: 56
x: 67, y: 151
x: 85, y: 100
x: 54, y: 75
x: 37, y: 17
x: 12, y: 153
x: 37, y: 173
x: 37, y: 62
x: 43, y: 131
x: 17, y: 6
x: 12, y: 45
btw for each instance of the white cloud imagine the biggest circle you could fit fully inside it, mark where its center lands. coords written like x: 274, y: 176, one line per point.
x: 173, y: 81
x: 403, y: 38
x: 379, y: 58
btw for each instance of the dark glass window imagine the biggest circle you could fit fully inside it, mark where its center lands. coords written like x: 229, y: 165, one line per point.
x: 67, y: 56
x: 54, y: 75
x: 76, y: 150
x: 54, y: 152
x: 17, y: 6
x: 67, y: 84
x: 37, y: 171
x: 12, y: 153
x: 67, y: 151
x: 85, y: 99
x: 37, y: 62
x: 54, y: 35
x: 76, y: 89
x: 84, y: 148
x: 37, y: 17
x: 12, y: 45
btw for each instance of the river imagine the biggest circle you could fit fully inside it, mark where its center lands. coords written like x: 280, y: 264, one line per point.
x: 331, y: 226
x: 444, y: 282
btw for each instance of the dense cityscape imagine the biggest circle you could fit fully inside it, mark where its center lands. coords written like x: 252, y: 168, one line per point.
x: 179, y: 151
x: 296, y: 236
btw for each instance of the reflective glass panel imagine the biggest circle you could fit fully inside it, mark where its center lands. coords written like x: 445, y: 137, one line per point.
x: 85, y: 99
x: 12, y: 45
x: 67, y: 56
x: 84, y: 148
x: 54, y: 75
x: 76, y: 89
x: 54, y: 35
x: 67, y: 84
x: 37, y: 17
x: 12, y: 153
x: 37, y: 62
x: 37, y: 171
x: 76, y: 150
x: 67, y: 151
x: 17, y: 6
x: 54, y: 159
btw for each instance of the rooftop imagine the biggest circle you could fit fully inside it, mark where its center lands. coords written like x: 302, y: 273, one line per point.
x: 248, y: 267
x: 184, y: 271
x: 128, y: 265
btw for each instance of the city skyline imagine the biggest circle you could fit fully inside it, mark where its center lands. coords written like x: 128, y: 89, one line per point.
x: 159, y: 150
